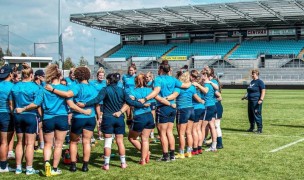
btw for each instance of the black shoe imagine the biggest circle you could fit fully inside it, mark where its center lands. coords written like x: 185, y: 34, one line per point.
x: 73, y: 167
x: 249, y: 130
x: 219, y: 147
x: 85, y: 168
x: 164, y: 159
x: 258, y: 131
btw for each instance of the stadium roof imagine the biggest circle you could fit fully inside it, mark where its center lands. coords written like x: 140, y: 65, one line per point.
x: 196, y: 17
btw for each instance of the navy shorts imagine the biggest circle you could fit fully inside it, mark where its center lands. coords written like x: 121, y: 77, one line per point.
x: 199, y: 115
x: 219, y: 109
x: 210, y: 113
x: 79, y: 124
x: 26, y: 123
x: 59, y: 123
x: 153, y: 106
x: 184, y: 114
x: 165, y: 114
x: 112, y: 125
x: 6, y: 122
x: 143, y: 121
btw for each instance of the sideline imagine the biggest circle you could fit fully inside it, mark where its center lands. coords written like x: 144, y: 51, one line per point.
x: 287, y: 145
x: 262, y: 135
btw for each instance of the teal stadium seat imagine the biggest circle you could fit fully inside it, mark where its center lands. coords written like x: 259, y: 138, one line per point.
x: 251, y: 49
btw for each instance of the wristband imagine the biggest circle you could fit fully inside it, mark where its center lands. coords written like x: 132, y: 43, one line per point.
x: 260, y: 99
x: 120, y: 111
x: 146, y: 99
x: 53, y: 90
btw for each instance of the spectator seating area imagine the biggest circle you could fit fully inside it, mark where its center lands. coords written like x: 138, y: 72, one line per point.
x: 251, y: 49
x: 247, y: 50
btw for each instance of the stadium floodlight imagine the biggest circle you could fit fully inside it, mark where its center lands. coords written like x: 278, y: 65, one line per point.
x: 271, y: 11
x: 237, y: 11
x: 152, y: 18
x: 207, y: 13
x: 301, y: 6
x: 169, y: 11
x: 127, y: 19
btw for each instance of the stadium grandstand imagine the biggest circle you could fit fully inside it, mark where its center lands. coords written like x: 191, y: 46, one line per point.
x: 230, y: 37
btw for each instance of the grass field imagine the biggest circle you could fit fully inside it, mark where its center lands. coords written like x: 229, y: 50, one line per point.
x: 245, y: 155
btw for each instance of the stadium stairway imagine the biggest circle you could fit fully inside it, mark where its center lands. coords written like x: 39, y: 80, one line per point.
x: 301, y: 54
x: 165, y: 54
x: 226, y: 57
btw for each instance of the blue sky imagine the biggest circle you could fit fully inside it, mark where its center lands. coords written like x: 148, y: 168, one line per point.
x: 36, y: 21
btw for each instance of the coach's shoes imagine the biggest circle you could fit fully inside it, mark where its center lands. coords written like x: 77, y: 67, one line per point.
x: 73, y: 167
x: 106, y: 167
x: 249, y: 130
x: 259, y: 131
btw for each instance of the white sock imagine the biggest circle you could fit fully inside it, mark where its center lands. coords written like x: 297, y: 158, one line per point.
x: 213, y: 146
x: 218, y: 128
x: 189, y: 149
x: 123, y: 159
x: 107, y: 159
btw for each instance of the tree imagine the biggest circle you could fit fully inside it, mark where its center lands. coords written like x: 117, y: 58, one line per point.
x: 1, y: 57
x: 23, y: 54
x: 83, y: 61
x: 68, y: 64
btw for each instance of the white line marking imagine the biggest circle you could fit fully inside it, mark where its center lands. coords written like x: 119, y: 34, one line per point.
x: 263, y: 135
x: 287, y: 145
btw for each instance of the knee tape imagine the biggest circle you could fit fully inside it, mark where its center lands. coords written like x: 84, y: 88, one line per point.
x: 108, y: 143
x: 218, y: 128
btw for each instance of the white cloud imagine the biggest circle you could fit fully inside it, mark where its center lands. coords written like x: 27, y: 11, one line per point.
x: 68, y: 33
x: 86, y: 32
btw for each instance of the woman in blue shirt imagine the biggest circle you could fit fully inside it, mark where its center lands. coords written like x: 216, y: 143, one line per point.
x: 6, y: 121
x: 114, y: 99
x: 81, y: 124
x: 128, y: 81
x: 55, y: 118
x: 143, y: 122
x: 185, y: 113
x: 164, y: 86
x: 209, y: 116
x: 24, y: 93
x: 99, y: 83
x: 255, y: 96
x: 150, y: 84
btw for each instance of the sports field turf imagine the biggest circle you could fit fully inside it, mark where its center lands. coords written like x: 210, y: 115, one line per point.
x: 245, y: 155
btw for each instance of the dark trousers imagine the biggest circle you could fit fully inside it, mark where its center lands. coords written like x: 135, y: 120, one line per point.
x: 255, y: 114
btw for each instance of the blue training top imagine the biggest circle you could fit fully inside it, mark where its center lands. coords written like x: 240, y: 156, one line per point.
x: 150, y: 85
x: 52, y: 104
x: 99, y: 85
x: 70, y: 82
x: 83, y: 93
x: 185, y: 96
x: 5, y: 96
x: 198, y: 105
x: 141, y: 93
x: 254, y: 90
x: 128, y: 82
x: 114, y: 98
x: 167, y: 85
x: 210, y: 96
x: 24, y: 93
x: 215, y: 82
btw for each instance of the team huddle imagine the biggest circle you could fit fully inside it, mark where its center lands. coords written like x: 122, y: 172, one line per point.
x: 75, y: 105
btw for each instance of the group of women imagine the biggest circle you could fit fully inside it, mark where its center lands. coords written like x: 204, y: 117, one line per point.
x: 77, y: 105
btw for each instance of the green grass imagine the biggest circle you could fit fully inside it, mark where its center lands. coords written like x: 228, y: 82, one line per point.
x: 245, y: 155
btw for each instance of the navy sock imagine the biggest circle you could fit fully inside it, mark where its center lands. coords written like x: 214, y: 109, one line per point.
x: 165, y: 155
x: 199, y: 147
x: 194, y: 149
x: 3, y: 164
x: 55, y: 169
x: 172, y: 153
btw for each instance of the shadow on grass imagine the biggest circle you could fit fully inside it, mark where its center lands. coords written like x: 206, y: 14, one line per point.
x: 235, y: 130
x: 288, y: 125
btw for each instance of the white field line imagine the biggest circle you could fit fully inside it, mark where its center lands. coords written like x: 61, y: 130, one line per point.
x: 287, y: 145
x: 262, y: 135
